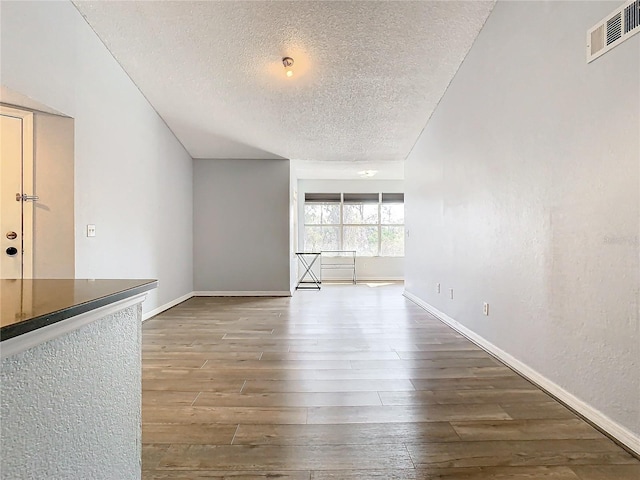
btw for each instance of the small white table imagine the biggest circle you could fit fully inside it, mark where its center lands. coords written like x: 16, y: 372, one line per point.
x: 341, y: 260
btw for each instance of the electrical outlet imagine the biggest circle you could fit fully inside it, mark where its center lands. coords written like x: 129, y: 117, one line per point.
x: 451, y: 293
x: 485, y: 308
x: 91, y: 230
x: 437, y: 288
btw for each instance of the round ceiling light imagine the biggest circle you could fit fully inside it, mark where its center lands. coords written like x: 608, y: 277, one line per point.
x: 288, y: 66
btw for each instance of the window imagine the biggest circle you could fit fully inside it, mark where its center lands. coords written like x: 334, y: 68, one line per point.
x: 372, y: 224
x: 322, y: 222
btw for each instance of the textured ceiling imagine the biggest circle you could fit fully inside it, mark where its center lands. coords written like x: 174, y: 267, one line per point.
x: 367, y: 74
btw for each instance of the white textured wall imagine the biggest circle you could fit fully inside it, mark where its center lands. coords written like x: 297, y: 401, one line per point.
x: 367, y: 268
x: 71, y: 406
x: 133, y: 179
x: 241, y: 225
x: 523, y: 191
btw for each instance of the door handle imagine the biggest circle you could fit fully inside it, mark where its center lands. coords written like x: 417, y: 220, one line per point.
x: 26, y: 198
x: 12, y: 251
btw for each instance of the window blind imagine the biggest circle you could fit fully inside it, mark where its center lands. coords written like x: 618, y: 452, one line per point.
x: 361, y: 198
x: 322, y: 197
x: 393, y: 198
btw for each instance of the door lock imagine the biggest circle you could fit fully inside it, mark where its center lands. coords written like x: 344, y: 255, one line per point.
x: 26, y: 198
x: 12, y: 235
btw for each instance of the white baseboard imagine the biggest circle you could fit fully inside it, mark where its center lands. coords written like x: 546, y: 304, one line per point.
x: 380, y: 279
x: 611, y: 427
x: 363, y: 279
x: 166, y: 306
x: 254, y: 293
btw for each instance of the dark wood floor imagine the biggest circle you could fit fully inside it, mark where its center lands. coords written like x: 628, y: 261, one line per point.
x: 353, y: 382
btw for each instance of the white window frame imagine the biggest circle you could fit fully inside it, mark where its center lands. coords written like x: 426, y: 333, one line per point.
x: 341, y: 225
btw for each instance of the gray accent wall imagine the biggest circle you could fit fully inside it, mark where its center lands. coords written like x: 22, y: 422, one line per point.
x: 523, y: 192
x: 133, y: 179
x: 241, y: 225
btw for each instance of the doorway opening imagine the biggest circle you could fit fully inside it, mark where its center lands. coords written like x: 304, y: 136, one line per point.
x: 37, y: 233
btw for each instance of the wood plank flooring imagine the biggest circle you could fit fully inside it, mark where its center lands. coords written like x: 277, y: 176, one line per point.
x: 349, y: 383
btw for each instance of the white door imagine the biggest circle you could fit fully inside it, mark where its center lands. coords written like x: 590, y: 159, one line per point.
x: 16, y: 176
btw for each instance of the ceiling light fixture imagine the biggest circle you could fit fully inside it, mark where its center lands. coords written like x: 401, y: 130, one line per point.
x: 367, y: 173
x: 288, y: 66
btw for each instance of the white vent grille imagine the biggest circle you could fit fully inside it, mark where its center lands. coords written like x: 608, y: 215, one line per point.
x: 632, y: 16
x: 597, y: 40
x: 614, y: 29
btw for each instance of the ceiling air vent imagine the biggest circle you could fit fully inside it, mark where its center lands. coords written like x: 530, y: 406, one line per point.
x: 632, y: 16
x: 614, y: 29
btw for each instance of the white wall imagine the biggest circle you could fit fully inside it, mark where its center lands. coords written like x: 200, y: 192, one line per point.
x: 133, y: 179
x: 367, y: 268
x: 53, y: 231
x: 523, y: 191
x: 293, y: 225
x: 241, y: 226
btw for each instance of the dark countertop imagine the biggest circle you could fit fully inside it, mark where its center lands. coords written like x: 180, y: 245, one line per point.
x: 27, y: 305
